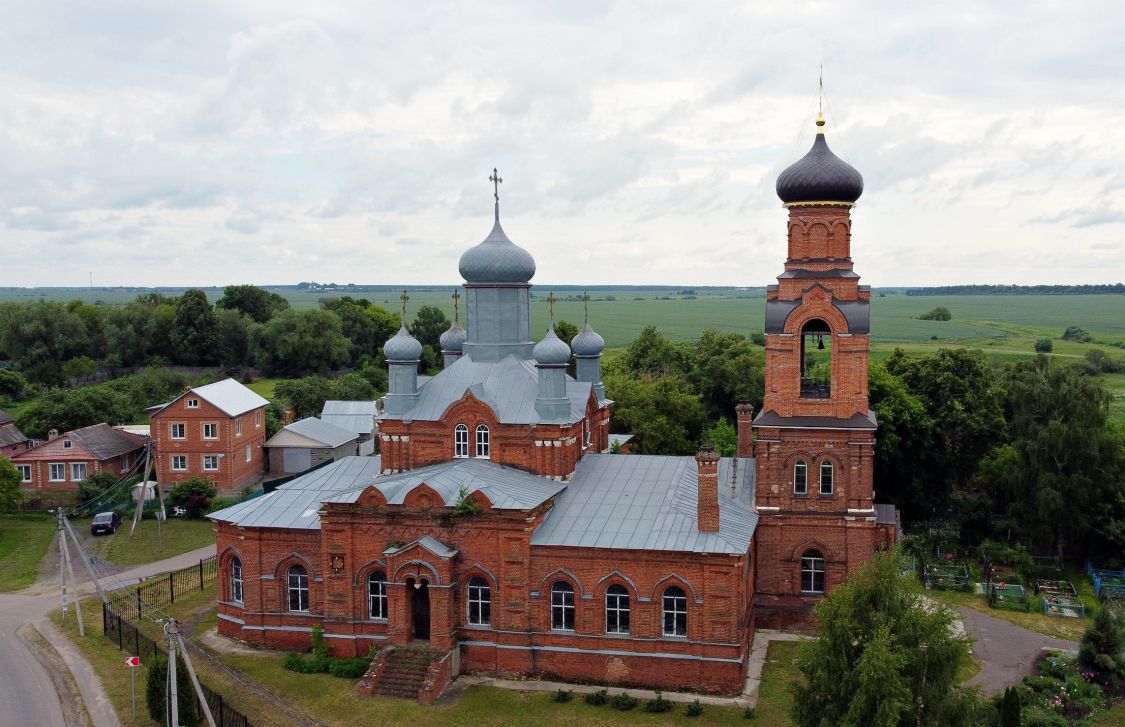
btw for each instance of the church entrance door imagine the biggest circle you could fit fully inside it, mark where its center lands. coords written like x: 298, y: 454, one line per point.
x: 420, y: 609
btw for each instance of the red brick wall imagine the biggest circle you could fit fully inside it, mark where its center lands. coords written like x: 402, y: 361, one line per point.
x: 234, y: 470
x: 41, y: 458
x: 496, y: 547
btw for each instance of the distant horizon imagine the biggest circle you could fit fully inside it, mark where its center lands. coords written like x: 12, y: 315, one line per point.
x: 382, y: 287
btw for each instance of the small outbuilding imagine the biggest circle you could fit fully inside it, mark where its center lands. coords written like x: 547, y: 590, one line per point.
x: 355, y: 416
x: 307, y: 443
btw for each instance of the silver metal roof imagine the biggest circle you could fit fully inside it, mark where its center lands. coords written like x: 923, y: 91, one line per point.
x: 228, y: 395
x: 506, y: 488
x: 433, y: 545
x: 508, y: 386
x: 642, y: 502
x: 313, y: 431
x: 355, y: 416
x: 295, y: 504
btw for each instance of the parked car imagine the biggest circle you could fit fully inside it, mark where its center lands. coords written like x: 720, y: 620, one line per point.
x: 105, y: 522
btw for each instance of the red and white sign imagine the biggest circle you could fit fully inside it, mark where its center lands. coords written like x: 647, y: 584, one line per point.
x: 132, y: 661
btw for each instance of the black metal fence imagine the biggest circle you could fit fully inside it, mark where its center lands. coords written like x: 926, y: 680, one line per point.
x: 133, y: 603
x: 130, y: 639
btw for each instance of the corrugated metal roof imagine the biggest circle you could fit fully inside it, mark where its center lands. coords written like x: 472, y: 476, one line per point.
x: 885, y: 513
x: 10, y: 434
x: 619, y: 439
x: 642, y: 502
x: 355, y: 416
x: 433, y: 545
x: 295, y: 504
x: 506, y: 488
x: 311, y: 428
x: 4, y: 417
x: 231, y: 396
x: 509, y: 387
x: 856, y: 421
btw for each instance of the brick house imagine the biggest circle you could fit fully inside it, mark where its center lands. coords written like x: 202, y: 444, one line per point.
x: 497, y: 527
x: 12, y: 440
x: 214, y: 431
x: 65, y: 460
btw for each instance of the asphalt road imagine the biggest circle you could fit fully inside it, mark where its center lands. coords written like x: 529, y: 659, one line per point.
x: 1006, y: 651
x: 27, y: 695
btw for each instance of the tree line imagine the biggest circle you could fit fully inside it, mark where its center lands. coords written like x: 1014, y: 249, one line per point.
x: 1115, y: 288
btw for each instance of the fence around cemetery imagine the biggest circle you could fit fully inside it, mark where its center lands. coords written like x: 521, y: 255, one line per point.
x: 133, y: 602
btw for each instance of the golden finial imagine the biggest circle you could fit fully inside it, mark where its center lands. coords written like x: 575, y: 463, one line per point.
x: 820, y: 104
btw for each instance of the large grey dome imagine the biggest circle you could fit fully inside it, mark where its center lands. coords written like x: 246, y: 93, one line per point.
x: 552, y: 350
x: 497, y: 260
x: 453, y: 340
x: 588, y: 342
x: 820, y: 176
x: 403, y: 347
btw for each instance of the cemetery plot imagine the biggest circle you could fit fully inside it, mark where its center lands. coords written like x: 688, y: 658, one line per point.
x: 951, y: 576
x: 1060, y: 598
x: 1109, y: 583
x: 1012, y: 596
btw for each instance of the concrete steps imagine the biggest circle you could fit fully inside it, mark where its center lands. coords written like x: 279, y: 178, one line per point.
x: 404, y: 674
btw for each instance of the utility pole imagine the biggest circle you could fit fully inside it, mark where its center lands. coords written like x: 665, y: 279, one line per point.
x: 70, y: 577
x: 173, y: 698
x: 62, y: 560
x: 86, y: 562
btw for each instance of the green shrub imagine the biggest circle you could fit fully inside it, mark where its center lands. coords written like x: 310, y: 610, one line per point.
x: 348, y: 668
x: 194, y: 494
x: 597, y: 698
x: 749, y: 713
x: 660, y: 704
x: 319, y: 644
x: 560, y: 696
x: 1044, y: 345
x: 694, y: 709
x: 1103, y: 644
x: 1038, y: 716
x: 156, y: 691
x: 624, y: 702
x: 1010, y: 708
x: 940, y: 313
x: 1076, y: 333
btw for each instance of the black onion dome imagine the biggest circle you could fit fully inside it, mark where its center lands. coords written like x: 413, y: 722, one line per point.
x: 820, y: 176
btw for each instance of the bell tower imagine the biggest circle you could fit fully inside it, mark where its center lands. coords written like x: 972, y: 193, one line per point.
x: 814, y: 438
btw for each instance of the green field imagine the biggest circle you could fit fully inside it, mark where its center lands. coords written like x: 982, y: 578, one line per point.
x: 24, y: 540
x: 146, y: 544
x: 1005, y: 327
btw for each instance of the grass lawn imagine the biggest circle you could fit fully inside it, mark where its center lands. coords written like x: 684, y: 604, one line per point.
x: 1112, y: 718
x: 779, y: 671
x: 178, y: 536
x: 24, y: 540
x: 1034, y: 620
x: 263, y: 387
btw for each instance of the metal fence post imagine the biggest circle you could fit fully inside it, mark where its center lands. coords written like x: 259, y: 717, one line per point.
x: 201, y: 574
x: 138, y: 602
x: 171, y: 587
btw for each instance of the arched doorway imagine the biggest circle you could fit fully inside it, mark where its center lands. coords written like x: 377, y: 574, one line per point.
x: 419, y: 608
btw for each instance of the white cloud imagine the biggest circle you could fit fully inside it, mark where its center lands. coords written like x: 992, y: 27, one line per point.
x: 639, y: 143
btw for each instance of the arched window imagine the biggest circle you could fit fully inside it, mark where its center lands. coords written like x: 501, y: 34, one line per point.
x: 675, y: 612
x: 482, y: 441
x: 616, y: 610
x: 812, y: 572
x: 562, y: 606
x: 585, y: 433
x: 800, y: 478
x: 298, y: 582
x: 236, y: 580
x: 826, y: 478
x: 377, y: 595
x: 461, y: 441
x: 816, y: 360
x: 480, y: 602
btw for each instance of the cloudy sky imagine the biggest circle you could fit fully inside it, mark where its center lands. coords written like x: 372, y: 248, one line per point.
x: 159, y: 143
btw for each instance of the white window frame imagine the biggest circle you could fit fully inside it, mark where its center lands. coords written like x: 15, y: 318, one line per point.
x: 212, y: 458
x: 192, y: 404
x: 800, y: 483
x: 179, y: 458
x: 61, y: 470
x: 257, y: 418
x: 674, y: 605
x: 236, y: 582
x: 238, y: 427
x: 562, y: 607
x: 67, y: 444
x: 249, y: 454
x: 460, y: 441
x: 586, y: 434
x: 826, y: 466
x: 74, y: 468
x: 124, y: 462
x: 617, y: 609
x: 484, y: 443
x: 812, y: 563
x: 297, y: 584
x: 478, y: 597
x: 377, y: 596
x: 25, y: 472
x: 215, y: 425
x: 177, y: 427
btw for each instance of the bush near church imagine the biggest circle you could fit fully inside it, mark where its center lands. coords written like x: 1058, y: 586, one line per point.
x: 194, y: 494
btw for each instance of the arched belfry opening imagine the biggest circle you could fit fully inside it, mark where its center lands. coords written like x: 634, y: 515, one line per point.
x: 816, y: 360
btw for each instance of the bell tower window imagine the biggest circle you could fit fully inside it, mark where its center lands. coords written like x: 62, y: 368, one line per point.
x: 816, y: 360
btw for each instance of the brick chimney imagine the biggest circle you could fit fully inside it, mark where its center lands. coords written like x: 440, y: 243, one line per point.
x: 707, y: 507
x: 745, y: 414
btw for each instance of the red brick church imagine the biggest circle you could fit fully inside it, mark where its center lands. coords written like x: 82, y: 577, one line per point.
x: 497, y: 529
